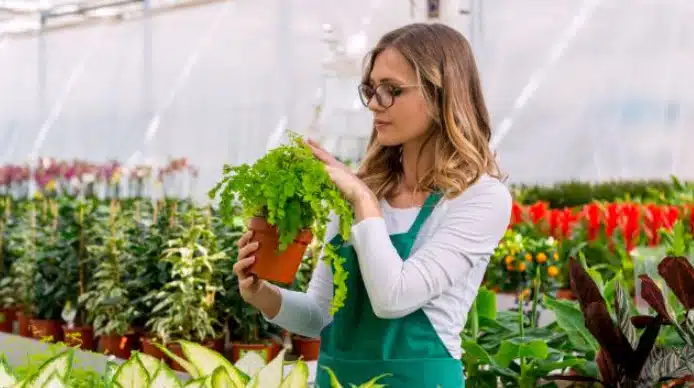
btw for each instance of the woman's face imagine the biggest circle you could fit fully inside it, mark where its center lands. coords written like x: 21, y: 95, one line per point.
x: 408, y: 118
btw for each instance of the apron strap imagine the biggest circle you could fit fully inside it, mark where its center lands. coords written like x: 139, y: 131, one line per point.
x: 425, y: 212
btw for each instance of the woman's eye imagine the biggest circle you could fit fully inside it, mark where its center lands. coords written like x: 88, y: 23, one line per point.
x: 395, y: 91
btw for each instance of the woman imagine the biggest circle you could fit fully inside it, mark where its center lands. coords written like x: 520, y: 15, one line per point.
x: 429, y: 211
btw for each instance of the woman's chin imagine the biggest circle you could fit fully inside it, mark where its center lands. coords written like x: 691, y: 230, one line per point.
x: 388, y: 141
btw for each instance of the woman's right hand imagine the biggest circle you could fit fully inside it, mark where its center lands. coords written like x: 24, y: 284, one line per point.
x: 249, y: 285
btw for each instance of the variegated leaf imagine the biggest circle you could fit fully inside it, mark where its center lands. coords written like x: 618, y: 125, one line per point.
x: 667, y: 362
x: 623, y: 312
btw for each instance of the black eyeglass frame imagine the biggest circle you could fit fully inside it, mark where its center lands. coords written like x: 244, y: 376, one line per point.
x: 393, y: 91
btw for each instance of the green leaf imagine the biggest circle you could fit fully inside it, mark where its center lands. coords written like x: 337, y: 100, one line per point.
x: 571, y: 320
x: 516, y: 348
x: 132, y: 374
x: 486, y: 303
x: 623, y: 312
x: 476, y: 352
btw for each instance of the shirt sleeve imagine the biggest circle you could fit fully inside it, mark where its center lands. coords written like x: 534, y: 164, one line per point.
x: 308, y: 313
x: 466, y: 236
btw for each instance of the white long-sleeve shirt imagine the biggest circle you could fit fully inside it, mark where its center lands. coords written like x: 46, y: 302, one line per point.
x: 441, y: 275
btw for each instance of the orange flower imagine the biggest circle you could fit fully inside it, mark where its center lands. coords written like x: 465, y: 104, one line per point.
x: 541, y: 257
x: 552, y: 271
x: 525, y: 294
x: 556, y: 256
x: 521, y: 267
x: 528, y: 257
x: 508, y: 260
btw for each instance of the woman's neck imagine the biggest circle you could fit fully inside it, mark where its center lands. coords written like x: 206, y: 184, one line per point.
x: 415, y: 164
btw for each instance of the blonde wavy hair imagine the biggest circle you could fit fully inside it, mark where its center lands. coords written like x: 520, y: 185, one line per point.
x: 445, y: 65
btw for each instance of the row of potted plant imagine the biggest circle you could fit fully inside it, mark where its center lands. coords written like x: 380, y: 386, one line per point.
x: 51, y: 177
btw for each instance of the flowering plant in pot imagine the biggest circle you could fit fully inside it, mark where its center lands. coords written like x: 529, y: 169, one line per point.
x: 288, y: 197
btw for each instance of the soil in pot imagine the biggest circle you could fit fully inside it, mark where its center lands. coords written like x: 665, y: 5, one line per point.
x: 80, y: 336
x: 46, y: 330
x: 6, y: 320
x: 148, y: 347
x: 306, y: 348
x: 266, y: 350
x: 270, y: 264
x: 24, y: 328
x: 117, y: 345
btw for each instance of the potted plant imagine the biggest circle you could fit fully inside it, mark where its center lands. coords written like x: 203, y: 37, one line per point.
x: 287, y: 197
x: 108, y: 301
x: 304, y: 347
x: 184, y: 307
x: 252, y: 333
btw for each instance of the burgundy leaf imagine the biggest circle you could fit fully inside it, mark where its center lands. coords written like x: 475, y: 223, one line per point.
x: 608, y: 370
x: 609, y: 336
x: 644, y: 348
x: 651, y: 293
x: 583, y: 286
x: 678, y: 273
x: 641, y: 321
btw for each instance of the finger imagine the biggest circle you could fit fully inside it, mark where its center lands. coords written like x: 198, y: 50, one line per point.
x: 248, y: 281
x: 244, y: 239
x: 248, y: 249
x: 241, y: 266
x: 323, y: 155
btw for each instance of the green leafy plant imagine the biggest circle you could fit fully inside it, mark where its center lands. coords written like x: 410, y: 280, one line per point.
x: 205, y: 367
x: 183, y: 307
x: 626, y: 358
x: 108, y: 301
x: 291, y: 189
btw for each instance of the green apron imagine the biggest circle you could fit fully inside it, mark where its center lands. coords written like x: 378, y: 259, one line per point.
x: 358, y: 346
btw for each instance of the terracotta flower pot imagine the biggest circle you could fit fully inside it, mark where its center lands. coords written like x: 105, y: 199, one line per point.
x: 306, y: 348
x: 23, y: 320
x: 80, y: 336
x: 46, y: 329
x: 119, y: 346
x: 269, y: 264
x: 267, y: 350
x: 148, y: 347
x: 7, y: 320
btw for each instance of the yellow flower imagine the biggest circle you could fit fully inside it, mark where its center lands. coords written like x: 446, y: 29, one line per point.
x: 552, y: 271
x: 525, y: 294
x: 556, y: 256
x: 528, y: 257
x: 51, y: 185
x: 521, y: 266
x: 508, y: 260
x: 541, y: 257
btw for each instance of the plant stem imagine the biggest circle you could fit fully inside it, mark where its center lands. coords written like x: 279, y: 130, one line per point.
x: 474, y: 320
x: 536, y: 293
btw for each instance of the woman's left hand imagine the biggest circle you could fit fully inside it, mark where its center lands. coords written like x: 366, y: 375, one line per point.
x: 353, y: 188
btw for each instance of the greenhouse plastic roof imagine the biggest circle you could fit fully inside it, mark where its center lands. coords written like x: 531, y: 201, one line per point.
x: 590, y: 90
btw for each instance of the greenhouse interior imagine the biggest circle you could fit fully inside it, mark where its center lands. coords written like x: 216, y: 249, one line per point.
x: 120, y: 120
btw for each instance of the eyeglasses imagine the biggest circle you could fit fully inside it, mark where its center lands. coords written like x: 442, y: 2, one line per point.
x: 385, y: 93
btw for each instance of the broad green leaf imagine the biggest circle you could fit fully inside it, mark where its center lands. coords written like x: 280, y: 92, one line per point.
x: 570, y: 319
x: 472, y: 349
x: 221, y: 379
x: 486, y: 303
x: 185, y: 364
x: 132, y: 374
x: 514, y: 349
x: 54, y: 381
x: 60, y: 364
x: 334, y: 382
x: 298, y: 377
x: 206, y: 361
x: 7, y: 377
x: 164, y: 377
x: 272, y: 374
x: 151, y: 364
